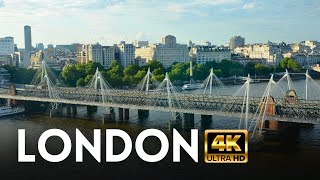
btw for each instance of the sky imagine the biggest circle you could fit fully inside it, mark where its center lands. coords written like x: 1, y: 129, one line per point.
x: 110, y: 21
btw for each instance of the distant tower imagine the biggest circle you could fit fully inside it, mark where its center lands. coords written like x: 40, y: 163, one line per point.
x: 169, y: 41
x: 191, y: 66
x: 27, y: 38
x: 27, y: 46
x: 236, y: 41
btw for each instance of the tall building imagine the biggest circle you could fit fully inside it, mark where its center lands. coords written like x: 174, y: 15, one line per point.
x: 50, y: 46
x: 139, y: 44
x: 27, y: 38
x: 39, y: 46
x: 108, y: 56
x: 27, y: 46
x: 204, y: 54
x: 236, y: 41
x: 125, y: 53
x: 166, y: 52
x: 97, y: 53
x: 207, y: 43
x: 6, y: 46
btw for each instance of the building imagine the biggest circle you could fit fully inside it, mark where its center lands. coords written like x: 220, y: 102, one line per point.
x: 166, y: 52
x: 299, y: 48
x: 139, y: 44
x: 39, y: 46
x: 6, y: 46
x: 77, y: 47
x: 27, y: 38
x: 303, y: 59
x: 94, y: 53
x: 37, y: 58
x: 204, y: 54
x: 5, y: 60
x: 97, y: 53
x: 125, y: 53
x: 27, y: 46
x: 50, y: 46
x: 207, y: 43
x: 236, y: 41
x: 108, y: 53
x: 271, y: 53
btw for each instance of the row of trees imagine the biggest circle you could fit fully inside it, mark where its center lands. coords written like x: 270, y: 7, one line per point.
x: 117, y: 76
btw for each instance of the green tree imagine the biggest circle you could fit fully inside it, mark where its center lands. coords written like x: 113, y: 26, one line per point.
x: 179, y: 72
x: 200, y: 72
x: 70, y: 75
x: 91, y: 67
x: 218, y: 72
x: 289, y: 64
x: 114, y: 74
x: 81, y: 82
x: 129, y: 73
x: 249, y: 68
x: 158, y: 74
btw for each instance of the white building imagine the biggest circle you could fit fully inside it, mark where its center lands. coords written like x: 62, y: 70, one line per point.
x: 91, y: 53
x: 124, y: 53
x: 166, y: 52
x: 95, y: 53
x: 108, y: 56
x: 271, y: 53
x: 204, y: 54
x: 6, y: 46
x: 305, y: 60
x: 139, y: 44
x: 236, y: 41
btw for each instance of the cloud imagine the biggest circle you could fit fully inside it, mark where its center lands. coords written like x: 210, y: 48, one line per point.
x: 249, y: 5
x: 1, y: 3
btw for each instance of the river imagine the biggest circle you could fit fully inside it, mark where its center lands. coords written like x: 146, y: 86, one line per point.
x: 307, y: 151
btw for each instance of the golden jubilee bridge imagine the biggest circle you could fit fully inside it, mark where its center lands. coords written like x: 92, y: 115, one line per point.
x: 277, y: 102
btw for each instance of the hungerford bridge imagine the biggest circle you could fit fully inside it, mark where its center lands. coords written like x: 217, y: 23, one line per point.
x: 278, y: 102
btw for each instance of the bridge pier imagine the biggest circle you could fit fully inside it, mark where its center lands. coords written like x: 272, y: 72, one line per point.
x: 74, y: 109
x: 109, y: 117
x: 92, y: 109
x: 206, y: 121
x: 68, y: 110
x: 126, y: 114
x: 188, y: 120
x: 142, y: 114
x: 55, y: 112
x: 120, y: 110
x: 178, y: 116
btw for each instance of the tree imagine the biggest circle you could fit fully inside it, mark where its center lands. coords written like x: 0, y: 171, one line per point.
x: 218, y: 72
x: 129, y: 73
x: 153, y: 65
x: 139, y: 76
x: 91, y: 67
x: 249, y: 68
x: 158, y: 74
x: 179, y: 71
x: 114, y: 74
x: 70, y: 75
x: 88, y: 78
x: 200, y: 72
x: 81, y: 82
x: 289, y: 64
x: 262, y: 70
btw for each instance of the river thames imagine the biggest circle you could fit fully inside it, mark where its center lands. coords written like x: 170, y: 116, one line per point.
x: 299, y: 161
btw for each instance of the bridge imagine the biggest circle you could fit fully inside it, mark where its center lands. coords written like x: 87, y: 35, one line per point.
x: 279, y: 101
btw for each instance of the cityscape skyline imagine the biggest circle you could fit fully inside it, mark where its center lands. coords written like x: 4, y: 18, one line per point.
x: 110, y: 21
